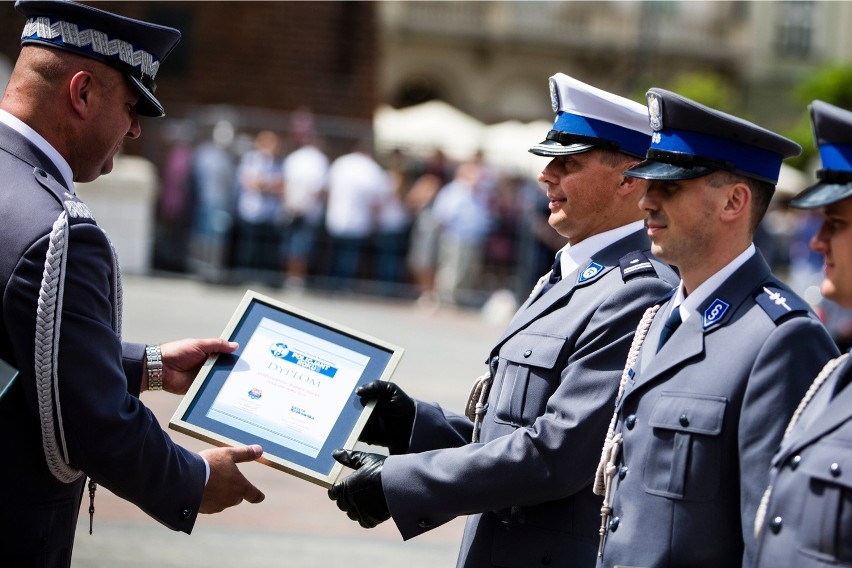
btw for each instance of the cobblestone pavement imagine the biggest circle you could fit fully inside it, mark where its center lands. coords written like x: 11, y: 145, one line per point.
x: 296, y: 525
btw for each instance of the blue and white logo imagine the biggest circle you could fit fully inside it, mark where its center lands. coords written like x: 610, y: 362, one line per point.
x: 590, y: 272
x: 303, y: 359
x: 715, y: 312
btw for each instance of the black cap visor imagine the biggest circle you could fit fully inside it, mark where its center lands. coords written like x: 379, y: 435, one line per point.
x: 551, y: 149
x: 833, y: 186
x: 650, y: 169
x: 148, y: 104
x: 666, y: 165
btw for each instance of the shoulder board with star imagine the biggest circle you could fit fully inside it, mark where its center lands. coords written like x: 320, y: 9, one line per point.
x: 636, y: 264
x: 779, y: 303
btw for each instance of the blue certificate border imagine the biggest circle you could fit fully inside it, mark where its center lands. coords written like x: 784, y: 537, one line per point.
x: 196, y: 412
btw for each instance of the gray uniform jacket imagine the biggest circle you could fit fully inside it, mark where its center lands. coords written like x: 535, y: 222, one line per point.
x: 527, y: 484
x: 109, y: 434
x: 809, y: 518
x: 702, y: 419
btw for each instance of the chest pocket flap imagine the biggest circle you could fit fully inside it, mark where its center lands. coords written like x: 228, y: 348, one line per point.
x: 684, y: 457
x: 831, y: 463
x: 533, y: 349
x: 697, y: 414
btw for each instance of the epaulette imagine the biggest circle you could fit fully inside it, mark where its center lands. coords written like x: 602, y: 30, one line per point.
x: 636, y: 264
x: 779, y: 303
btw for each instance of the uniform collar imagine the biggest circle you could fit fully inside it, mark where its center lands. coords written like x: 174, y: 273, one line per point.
x: 689, y: 305
x: 35, y: 138
x: 573, y: 255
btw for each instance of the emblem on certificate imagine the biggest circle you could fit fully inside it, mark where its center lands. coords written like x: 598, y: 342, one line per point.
x: 290, y: 387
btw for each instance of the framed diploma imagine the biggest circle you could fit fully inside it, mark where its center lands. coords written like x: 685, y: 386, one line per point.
x: 290, y: 387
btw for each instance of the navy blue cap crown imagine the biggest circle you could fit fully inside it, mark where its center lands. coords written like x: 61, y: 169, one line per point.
x: 691, y: 140
x: 833, y: 137
x: 134, y: 47
x: 588, y: 117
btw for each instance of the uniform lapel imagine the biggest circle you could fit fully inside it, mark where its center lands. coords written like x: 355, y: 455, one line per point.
x: 824, y: 417
x: 607, y: 258
x: 688, y: 341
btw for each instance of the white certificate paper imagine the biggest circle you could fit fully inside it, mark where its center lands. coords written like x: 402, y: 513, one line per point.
x: 288, y: 387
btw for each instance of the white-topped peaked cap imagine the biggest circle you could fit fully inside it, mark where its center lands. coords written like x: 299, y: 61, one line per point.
x: 588, y: 117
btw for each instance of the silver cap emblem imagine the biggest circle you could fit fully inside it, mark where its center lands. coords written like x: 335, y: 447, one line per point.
x: 554, y: 95
x: 655, y: 111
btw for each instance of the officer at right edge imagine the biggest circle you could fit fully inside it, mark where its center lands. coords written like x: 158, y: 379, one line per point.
x: 805, y: 518
x: 721, y: 364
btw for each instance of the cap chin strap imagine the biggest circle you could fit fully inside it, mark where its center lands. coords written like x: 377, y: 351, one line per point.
x: 684, y: 160
x: 834, y: 176
x: 568, y: 138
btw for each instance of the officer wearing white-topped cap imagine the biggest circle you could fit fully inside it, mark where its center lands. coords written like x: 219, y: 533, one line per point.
x: 805, y: 518
x: 81, y: 81
x: 721, y: 363
x: 536, y: 417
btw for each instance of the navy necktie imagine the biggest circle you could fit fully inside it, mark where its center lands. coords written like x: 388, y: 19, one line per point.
x: 555, y: 275
x: 669, y: 327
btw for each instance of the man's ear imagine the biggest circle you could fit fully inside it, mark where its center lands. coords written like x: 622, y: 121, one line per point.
x: 80, y: 92
x: 630, y: 184
x: 738, y: 201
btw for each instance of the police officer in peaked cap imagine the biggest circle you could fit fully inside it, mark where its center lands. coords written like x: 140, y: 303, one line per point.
x: 721, y: 363
x: 519, y: 464
x: 81, y: 81
x: 804, y: 520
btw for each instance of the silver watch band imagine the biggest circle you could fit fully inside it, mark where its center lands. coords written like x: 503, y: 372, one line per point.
x: 154, y: 358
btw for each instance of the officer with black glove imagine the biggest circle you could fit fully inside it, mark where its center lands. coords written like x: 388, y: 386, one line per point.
x: 361, y: 495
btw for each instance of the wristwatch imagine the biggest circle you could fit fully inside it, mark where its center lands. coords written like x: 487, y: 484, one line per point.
x: 154, y: 359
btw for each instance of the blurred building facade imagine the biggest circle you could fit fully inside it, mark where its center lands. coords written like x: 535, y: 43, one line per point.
x: 491, y: 59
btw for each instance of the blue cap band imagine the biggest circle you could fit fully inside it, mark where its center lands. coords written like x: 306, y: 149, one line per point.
x: 836, y: 156
x: 758, y: 162
x: 628, y: 140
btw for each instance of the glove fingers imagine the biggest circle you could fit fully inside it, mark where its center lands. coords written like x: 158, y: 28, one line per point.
x: 350, y: 458
x: 376, y: 390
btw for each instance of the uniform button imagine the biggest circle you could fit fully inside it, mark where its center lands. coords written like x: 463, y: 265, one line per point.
x: 795, y: 461
x: 622, y: 472
x: 546, y: 560
x: 630, y: 421
x: 185, y: 513
x: 41, y: 172
x: 684, y: 420
x: 775, y: 525
x: 613, y: 524
x: 835, y: 469
x: 424, y: 524
x: 527, y: 353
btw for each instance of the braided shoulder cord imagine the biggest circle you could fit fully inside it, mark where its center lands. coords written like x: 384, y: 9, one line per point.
x: 632, y: 355
x: 612, y: 443
x: 48, y: 320
x: 117, y: 291
x: 809, y: 395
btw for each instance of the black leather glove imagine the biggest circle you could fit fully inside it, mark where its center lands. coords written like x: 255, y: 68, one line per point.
x: 392, y: 419
x: 360, y: 495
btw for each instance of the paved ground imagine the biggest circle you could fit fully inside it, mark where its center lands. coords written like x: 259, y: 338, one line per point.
x: 296, y: 525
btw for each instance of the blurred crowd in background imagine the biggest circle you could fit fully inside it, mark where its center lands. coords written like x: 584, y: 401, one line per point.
x: 278, y: 210
x: 282, y: 212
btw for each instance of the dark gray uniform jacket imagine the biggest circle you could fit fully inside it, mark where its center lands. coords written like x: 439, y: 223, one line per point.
x: 809, y: 518
x: 110, y: 435
x: 527, y: 484
x: 702, y: 419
